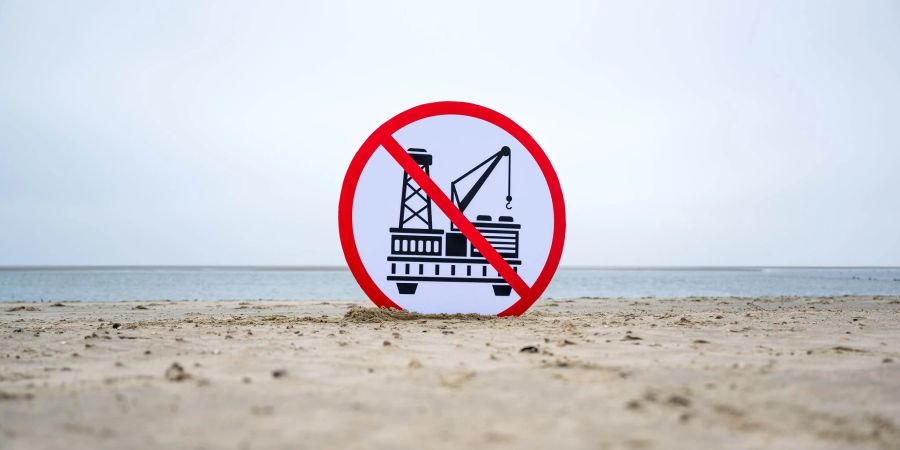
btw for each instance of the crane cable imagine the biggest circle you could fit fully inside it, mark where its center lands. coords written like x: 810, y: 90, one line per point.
x: 509, y: 181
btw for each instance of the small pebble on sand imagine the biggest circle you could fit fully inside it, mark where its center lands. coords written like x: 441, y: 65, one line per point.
x: 176, y: 373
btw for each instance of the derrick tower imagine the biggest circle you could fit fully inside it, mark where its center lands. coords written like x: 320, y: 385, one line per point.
x: 415, y: 205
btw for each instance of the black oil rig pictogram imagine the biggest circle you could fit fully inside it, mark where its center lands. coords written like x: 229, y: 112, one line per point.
x: 422, y: 253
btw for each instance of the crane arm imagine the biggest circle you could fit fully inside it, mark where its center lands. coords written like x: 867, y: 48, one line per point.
x: 492, y: 160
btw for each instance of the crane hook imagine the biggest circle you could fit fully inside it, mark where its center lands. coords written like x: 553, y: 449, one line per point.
x: 508, y: 201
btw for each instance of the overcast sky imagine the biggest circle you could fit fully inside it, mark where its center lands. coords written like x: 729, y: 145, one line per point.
x: 684, y: 133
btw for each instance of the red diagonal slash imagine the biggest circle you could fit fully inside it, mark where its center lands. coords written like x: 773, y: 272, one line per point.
x: 454, y: 214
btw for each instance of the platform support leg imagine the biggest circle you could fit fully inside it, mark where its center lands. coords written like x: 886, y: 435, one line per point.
x: 407, y: 288
x: 501, y: 290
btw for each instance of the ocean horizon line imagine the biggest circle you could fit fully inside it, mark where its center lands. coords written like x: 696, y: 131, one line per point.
x: 332, y: 268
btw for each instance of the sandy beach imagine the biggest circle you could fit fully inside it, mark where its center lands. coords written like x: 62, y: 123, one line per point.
x: 588, y: 373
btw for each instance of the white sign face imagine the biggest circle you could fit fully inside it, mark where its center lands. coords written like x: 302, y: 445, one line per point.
x: 408, y: 246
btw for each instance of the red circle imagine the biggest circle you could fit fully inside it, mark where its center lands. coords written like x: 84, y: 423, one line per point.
x: 348, y: 190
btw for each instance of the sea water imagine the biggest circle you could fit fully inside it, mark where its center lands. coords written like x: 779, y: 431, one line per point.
x: 111, y: 284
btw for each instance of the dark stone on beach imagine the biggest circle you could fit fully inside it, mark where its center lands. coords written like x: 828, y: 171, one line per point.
x: 679, y: 400
x: 116, y: 325
x: 16, y: 395
x: 279, y: 373
x: 529, y: 349
x: 629, y: 337
x: 176, y: 373
x: 844, y: 349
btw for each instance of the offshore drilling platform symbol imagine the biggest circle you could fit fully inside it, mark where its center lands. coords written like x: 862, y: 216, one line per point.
x: 420, y: 253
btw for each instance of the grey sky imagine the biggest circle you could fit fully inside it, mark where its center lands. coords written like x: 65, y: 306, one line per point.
x: 748, y: 133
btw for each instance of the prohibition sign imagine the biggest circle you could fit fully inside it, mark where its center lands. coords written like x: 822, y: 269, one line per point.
x: 385, y: 137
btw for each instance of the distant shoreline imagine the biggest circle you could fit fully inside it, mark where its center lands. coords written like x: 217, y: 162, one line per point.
x: 169, y: 268
x: 341, y: 268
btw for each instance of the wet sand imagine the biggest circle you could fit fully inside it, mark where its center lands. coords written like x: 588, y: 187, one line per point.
x: 700, y: 373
